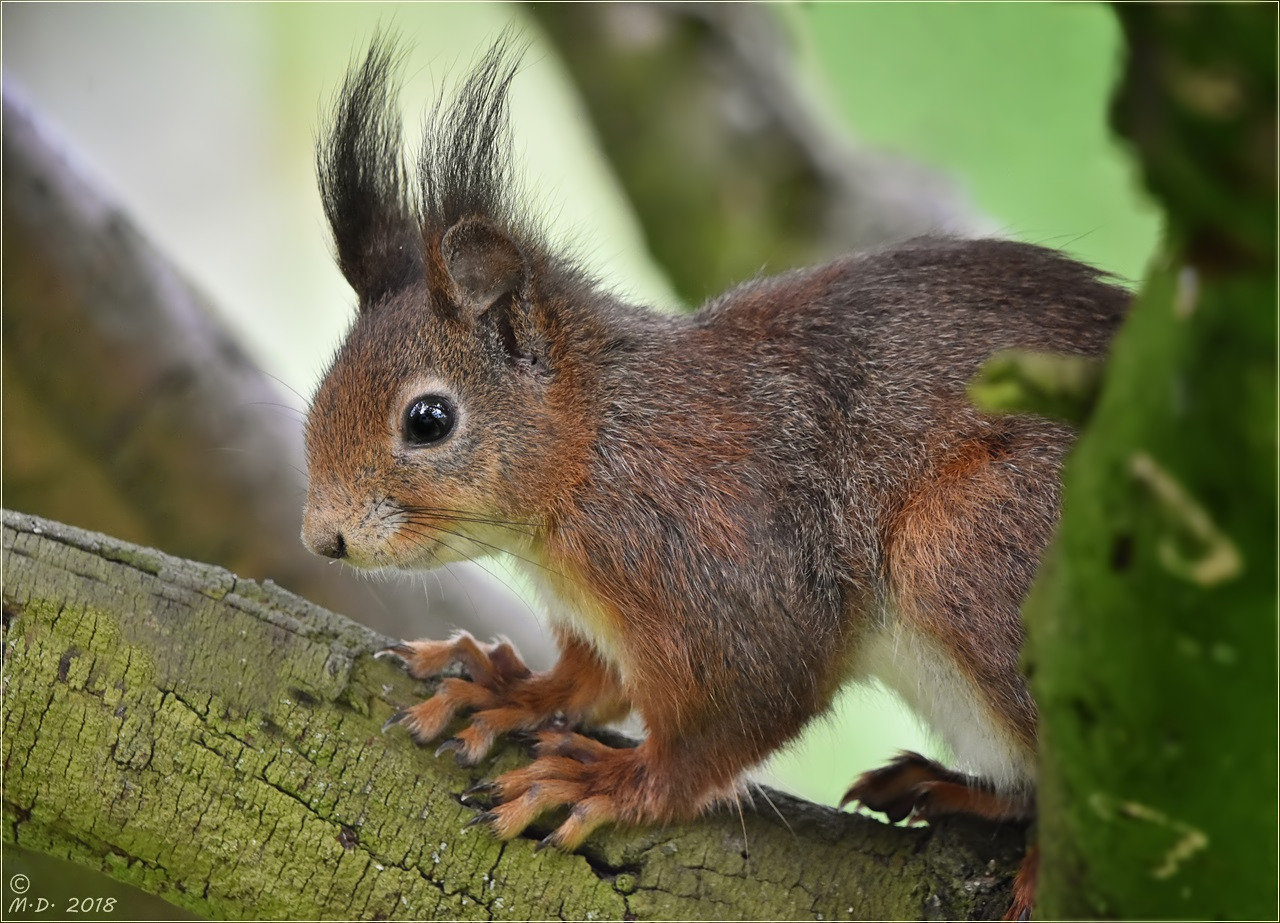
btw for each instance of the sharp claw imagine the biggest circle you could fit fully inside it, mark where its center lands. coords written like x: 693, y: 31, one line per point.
x: 400, y: 651
x: 484, y: 817
x: 483, y: 787
x: 395, y: 719
x: 546, y: 842
x: 454, y: 745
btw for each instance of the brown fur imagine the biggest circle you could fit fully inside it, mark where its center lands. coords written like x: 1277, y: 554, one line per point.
x: 961, y: 552
x: 728, y: 510
x: 1024, y: 886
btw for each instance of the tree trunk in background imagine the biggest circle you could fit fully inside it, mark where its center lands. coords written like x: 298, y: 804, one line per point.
x: 729, y: 165
x: 216, y: 742
x: 1153, y: 626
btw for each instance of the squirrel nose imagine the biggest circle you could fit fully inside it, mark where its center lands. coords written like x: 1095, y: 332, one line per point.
x: 332, y: 545
x: 324, y: 539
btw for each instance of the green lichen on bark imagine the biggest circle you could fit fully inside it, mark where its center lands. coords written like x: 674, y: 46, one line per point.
x: 206, y: 750
x: 1153, y: 626
x: 217, y: 742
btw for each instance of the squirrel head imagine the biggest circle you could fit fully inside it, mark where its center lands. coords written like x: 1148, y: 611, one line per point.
x: 432, y: 432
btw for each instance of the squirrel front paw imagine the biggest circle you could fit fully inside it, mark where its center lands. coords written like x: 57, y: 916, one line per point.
x: 491, y: 665
x: 501, y: 694
x: 491, y: 693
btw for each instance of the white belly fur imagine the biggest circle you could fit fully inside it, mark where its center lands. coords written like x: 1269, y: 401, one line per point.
x: 578, y: 613
x: 914, y: 666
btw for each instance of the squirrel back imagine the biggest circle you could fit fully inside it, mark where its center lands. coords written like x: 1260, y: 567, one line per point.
x: 766, y: 473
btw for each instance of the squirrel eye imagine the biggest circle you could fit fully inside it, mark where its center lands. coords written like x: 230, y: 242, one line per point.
x: 429, y: 419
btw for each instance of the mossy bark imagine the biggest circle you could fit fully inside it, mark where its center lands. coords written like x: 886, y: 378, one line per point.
x: 216, y: 741
x: 1153, y: 624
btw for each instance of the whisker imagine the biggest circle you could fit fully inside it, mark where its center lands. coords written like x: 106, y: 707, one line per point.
x: 496, y: 548
x: 742, y: 819
x: 462, y: 585
x: 297, y: 413
x: 764, y: 792
x: 443, y: 523
x: 464, y: 516
x: 451, y: 511
x: 280, y: 381
x: 411, y: 529
x: 472, y: 517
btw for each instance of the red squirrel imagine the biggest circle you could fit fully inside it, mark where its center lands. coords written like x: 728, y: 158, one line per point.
x: 732, y: 513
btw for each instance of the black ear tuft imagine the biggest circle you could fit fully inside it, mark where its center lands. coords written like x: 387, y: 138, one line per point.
x: 483, y: 265
x: 457, y: 229
x: 464, y: 167
x: 363, y: 181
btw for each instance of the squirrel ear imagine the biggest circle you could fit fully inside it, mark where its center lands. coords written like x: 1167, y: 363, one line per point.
x: 483, y: 264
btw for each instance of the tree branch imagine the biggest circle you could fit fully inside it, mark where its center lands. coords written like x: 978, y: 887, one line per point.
x: 216, y: 742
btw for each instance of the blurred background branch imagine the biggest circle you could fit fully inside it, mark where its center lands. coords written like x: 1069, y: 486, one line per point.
x: 731, y: 168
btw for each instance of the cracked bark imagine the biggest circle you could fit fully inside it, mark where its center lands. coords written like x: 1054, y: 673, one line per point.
x: 216, y: 741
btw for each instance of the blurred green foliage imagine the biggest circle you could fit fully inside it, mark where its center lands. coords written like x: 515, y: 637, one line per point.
x: 1010, y: 99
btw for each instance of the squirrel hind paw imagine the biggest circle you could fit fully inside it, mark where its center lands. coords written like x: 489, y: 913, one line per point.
x: 898, y: 789
x: 585, y: 818
x: 595, y: 792
x: 1024, y: 886
x: 919, y: 789
x: 511, y: 818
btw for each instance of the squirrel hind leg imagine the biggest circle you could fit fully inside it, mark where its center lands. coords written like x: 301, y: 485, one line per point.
x: 1024, y: 886
x: 600, y: 784
x: 914, y: 787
